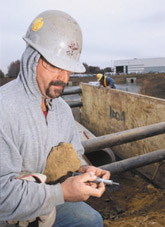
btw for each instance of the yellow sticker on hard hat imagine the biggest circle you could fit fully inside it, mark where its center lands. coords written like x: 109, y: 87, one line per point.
x: 38, y: 23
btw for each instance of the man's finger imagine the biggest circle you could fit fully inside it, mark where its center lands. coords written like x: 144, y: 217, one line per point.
x: 106, y: 175
x: 97, y: 192
x: 87, y: 177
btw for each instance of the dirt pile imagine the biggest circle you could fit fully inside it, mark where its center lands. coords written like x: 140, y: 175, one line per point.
x: 135, y: 203
x: 57, y: 167
x: 154, y: 86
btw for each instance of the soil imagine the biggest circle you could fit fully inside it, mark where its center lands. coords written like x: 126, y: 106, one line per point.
x: 154, y: 86
x: 135, y: 203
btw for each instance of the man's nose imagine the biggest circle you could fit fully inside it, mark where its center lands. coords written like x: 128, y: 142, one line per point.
x: 64, y: 76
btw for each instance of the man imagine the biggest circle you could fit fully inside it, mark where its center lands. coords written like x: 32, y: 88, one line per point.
x: 105, y: 81
x: 34, y: 119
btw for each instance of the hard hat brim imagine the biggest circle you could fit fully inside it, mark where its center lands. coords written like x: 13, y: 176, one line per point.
x: 70, y: 65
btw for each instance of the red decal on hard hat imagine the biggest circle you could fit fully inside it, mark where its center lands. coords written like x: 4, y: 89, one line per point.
x: 73, y: 47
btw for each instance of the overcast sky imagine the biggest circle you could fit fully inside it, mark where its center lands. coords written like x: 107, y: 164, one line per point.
x: 112, y: 29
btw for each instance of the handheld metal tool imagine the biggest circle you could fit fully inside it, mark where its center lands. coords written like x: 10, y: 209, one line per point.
x: 98, y: 180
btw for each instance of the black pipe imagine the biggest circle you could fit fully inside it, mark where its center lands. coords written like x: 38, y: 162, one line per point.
x: 72, y: 92
x: 135, y: 162
x: 98, y: 143
x: 76, y: 104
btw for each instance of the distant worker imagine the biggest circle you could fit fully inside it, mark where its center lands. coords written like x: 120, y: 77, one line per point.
x: 106, y: 81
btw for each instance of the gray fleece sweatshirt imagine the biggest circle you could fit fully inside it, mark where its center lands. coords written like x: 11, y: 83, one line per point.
x: 26, y: 138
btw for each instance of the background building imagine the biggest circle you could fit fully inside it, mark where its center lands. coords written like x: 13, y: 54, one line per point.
x: 137, y: 65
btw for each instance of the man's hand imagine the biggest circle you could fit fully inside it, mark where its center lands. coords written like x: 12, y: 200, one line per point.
x: 77, y: 188
x: 97, y: 171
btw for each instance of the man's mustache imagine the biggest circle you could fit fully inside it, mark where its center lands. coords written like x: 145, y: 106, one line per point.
x: 57, y: 83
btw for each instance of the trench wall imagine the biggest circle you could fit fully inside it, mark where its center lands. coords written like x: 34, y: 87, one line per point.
x: 108, y: 111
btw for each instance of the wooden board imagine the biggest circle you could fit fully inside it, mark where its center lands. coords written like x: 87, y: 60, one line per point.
x: 108, y: 111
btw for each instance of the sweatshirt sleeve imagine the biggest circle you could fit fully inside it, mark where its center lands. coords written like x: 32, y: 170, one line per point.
x: 21, y: 199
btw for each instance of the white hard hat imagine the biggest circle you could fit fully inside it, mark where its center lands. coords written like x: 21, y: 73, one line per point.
x: 58, y: 38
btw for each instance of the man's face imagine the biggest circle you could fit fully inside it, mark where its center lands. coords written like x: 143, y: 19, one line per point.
x: 51, y: 80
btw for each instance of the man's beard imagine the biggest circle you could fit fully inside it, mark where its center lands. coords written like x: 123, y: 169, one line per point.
x: 57, y: 92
